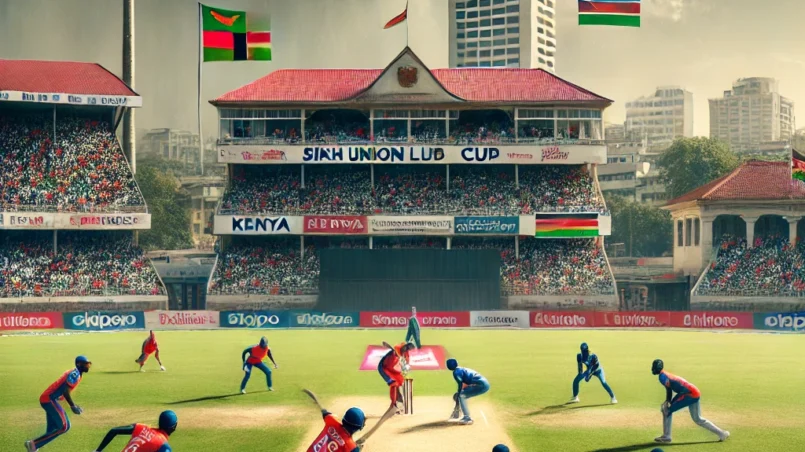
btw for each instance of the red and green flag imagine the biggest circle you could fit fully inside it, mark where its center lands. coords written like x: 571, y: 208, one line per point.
x: 621, y: 13
x: 226, y: 37
x: 797, y: 165
x: 566, y: 225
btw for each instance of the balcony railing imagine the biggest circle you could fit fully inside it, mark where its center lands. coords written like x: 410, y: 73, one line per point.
x: 477, y: 211
x: 355, y: 141
x: 83, y: 290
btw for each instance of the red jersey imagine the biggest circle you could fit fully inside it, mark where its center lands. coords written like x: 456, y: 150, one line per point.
x: 257, y: 354
x: 392, y: 360
x: 333, y: 438
x: 147, y: 439
x: 150, y: 345
x: 68, y: 381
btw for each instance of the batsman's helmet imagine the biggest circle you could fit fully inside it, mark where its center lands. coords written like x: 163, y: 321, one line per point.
x: 354, y: 419
x: 82, y: 363
x: 584, y: 347
x: 168, y: 421
x: 500, y: 448
x: 263, y: 342
x: 452, y: 364
x: 657, y: 366
x: 656, y: 449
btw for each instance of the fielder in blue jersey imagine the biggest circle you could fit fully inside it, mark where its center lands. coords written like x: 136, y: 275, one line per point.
x: 594, y: 369
x: 470, y: 384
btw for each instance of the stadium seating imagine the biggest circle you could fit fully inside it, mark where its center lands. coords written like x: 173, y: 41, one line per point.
x: 772, y: 267
x: 86, y: 263
x: 83, y: 169
x: 266, y: 189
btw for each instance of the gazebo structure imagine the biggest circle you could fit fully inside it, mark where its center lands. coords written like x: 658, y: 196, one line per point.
x: 758, y: 199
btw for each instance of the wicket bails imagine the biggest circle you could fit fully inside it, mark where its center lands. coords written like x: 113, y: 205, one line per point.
x: 408, y: 396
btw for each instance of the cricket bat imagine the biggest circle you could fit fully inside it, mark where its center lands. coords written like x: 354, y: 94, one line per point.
x: 386, y: 416
x: 313, y: 396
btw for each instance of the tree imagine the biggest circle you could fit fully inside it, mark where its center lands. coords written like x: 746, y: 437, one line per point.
x: 692, y: 162
x: 170, y: 215
x: 645, y: 230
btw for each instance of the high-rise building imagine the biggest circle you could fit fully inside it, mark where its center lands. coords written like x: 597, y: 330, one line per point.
x: 503, y: 33
x: 666, y: 115
x: 752, y: 112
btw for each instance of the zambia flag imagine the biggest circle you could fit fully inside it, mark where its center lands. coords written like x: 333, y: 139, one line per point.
x: 797, y: 165
x: 226, y: 37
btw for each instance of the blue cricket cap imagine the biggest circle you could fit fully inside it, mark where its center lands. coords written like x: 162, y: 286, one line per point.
x: 168, y: 420
x: 500, y: 448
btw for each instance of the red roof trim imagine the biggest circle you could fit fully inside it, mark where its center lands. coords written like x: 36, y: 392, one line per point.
x: 62, y: 77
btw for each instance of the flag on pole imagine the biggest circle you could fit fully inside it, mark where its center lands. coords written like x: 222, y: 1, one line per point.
x: 797, y: 165
x: 400, y: 18
x: 621, y: 13
x: 226, y: 37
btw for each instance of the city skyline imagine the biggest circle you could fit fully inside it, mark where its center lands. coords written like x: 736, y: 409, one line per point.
x: 709, y: 49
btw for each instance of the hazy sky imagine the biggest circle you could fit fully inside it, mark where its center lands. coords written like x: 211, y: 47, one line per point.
x: 701, y: 45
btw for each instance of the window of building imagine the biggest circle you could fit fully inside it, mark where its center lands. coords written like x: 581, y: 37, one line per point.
x: 696, y: 231
x: 498, y: 2
x: 550, y: 63
x: 460, y: 35
x: 550, y: 4
x: 513, y: 9
x: 460, y: 45
x: 679, y: 233
x: 541, y: 60
x: 513, y: 20
x: 485, y: 3
x: 472, y: 3
x: 472, y: 34
x: 460, y: 54
x: 460, y: 25
x: 486, y: 43
x: 498, y: 31
x: 498, y: 11
x: 473, y: 24
x: 472, y: 45
x: 486, y: 22
x: 499, y: 21
x: 499, y: 63
x: 486, y: 12
x: 485, y: 53
x: 460, y: 14
x: 196, y: 229
x: 499, y: 52
x: 688, y: 230
x: 513, y: 30
x: 513, y: 51
x: 512, y: 61
x: 486, y: 33
x: 472, y: 53
x: 514, y: 40
x: 459, y: 5
x: 499, y: 42
x: 472, y: 14
x: 485, y: 64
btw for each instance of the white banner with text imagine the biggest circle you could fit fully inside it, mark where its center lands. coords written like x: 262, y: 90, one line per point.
x: 68, y: 221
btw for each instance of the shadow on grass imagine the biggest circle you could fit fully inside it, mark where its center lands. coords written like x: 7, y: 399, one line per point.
x: 218, y: 397
x: 578, y: 407
x: 548, y: 410
x: 649, y: 446
x: 430, y: 426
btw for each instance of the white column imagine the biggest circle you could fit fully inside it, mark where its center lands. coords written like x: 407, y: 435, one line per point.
x: 449, y: 242
x: 303, y: 129
x: 302, y: 175
x: 372, y: 126
x: 792, y: 229
x: 517, y: 176
x: 750, y: 231
x: 302, y: 246
x: 517, y: 247
x: 707, y: 235
x: 371, y: 242
x: 55, y: 241
x: 448, y: 178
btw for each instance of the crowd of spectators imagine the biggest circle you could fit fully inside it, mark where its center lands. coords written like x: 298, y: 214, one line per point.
x: 263, y: 189
x: 544, y: 267
x: 87, y: 263
x: 82, y: 169
x: 771, y: 267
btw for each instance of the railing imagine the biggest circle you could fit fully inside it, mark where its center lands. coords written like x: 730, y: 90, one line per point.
x: 462, y: 141
x: 72, y: 208
x: 534, y: 289
x: 272, y: 290
x: 44, y: 290
x: 774, y: 293
x: 477, y: 211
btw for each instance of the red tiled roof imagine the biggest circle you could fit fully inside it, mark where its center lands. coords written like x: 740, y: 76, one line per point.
x: 61, y: 77
x: 470, y: 84
x: 753, y: 180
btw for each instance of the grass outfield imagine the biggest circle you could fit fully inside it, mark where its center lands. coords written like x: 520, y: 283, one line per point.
x: 752, y: 385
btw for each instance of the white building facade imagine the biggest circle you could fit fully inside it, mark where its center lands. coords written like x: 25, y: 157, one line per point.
x: 503, y: 33
x: 666, y: 115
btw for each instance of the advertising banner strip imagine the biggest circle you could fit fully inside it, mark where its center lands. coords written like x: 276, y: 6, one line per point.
x: 562, y: 319
x: 30, y: 320
x: 525, y: 154
x: 712, y: 320
x: 429, y: 357
x: 104, y: 321
x: 319, y: 319
x: 488, y: 225
x: 256, y: 225
x: 625, y: 319
x: 780, y: 321
x: 335, y: 224
x: 71, y: 221
x: 182, y: 320
x: 448, y: 319
x: 500, y: 319
x: 255, y: 319
x: 398, y: 225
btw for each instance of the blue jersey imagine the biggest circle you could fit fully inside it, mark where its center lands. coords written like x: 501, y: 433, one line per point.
x: 466, y: 376
x: 592, y: 363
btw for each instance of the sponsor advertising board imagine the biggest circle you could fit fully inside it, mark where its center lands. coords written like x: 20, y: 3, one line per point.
x: 488, y: 225
x: 71, y: 99
x: 781, y: 321
x: 714, y: 320
x: 182, y: 320
x: 487, y: 319
x: 399, y: 225
x: 31, y: 320
x: 429, y: 357
x: 318, y: 319
x: 624, y: 319
x: 256, y: 225
x: 104, y: 321
x: 104, y: 221
x: 335, y: 224
x: 562, y: 319
x: 255, y: 319
x: 15, y: 220
x: 526, y: 154
x: 447, y: 319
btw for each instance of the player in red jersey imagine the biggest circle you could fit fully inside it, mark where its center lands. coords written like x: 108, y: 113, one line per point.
x: 57, y: 421
x: 256, y: 354
x: 149, y: 347
x: 388, y: 365
x: 337, y: 436
x: 143, y: 437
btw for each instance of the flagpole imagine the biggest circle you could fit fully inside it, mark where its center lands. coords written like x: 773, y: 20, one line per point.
x: 406, y: 23
x: 198, y: 99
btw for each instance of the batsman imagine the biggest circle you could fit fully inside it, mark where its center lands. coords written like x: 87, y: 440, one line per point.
x: 338, y: 436
x: 397, y: 357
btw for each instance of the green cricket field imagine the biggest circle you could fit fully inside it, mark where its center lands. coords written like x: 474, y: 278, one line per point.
x: 751, y: 384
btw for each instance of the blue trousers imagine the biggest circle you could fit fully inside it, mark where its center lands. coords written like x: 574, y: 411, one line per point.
x: 248, y: 369
x: 473, y: 390
x: 58, y: 423
x: 598, y: 373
